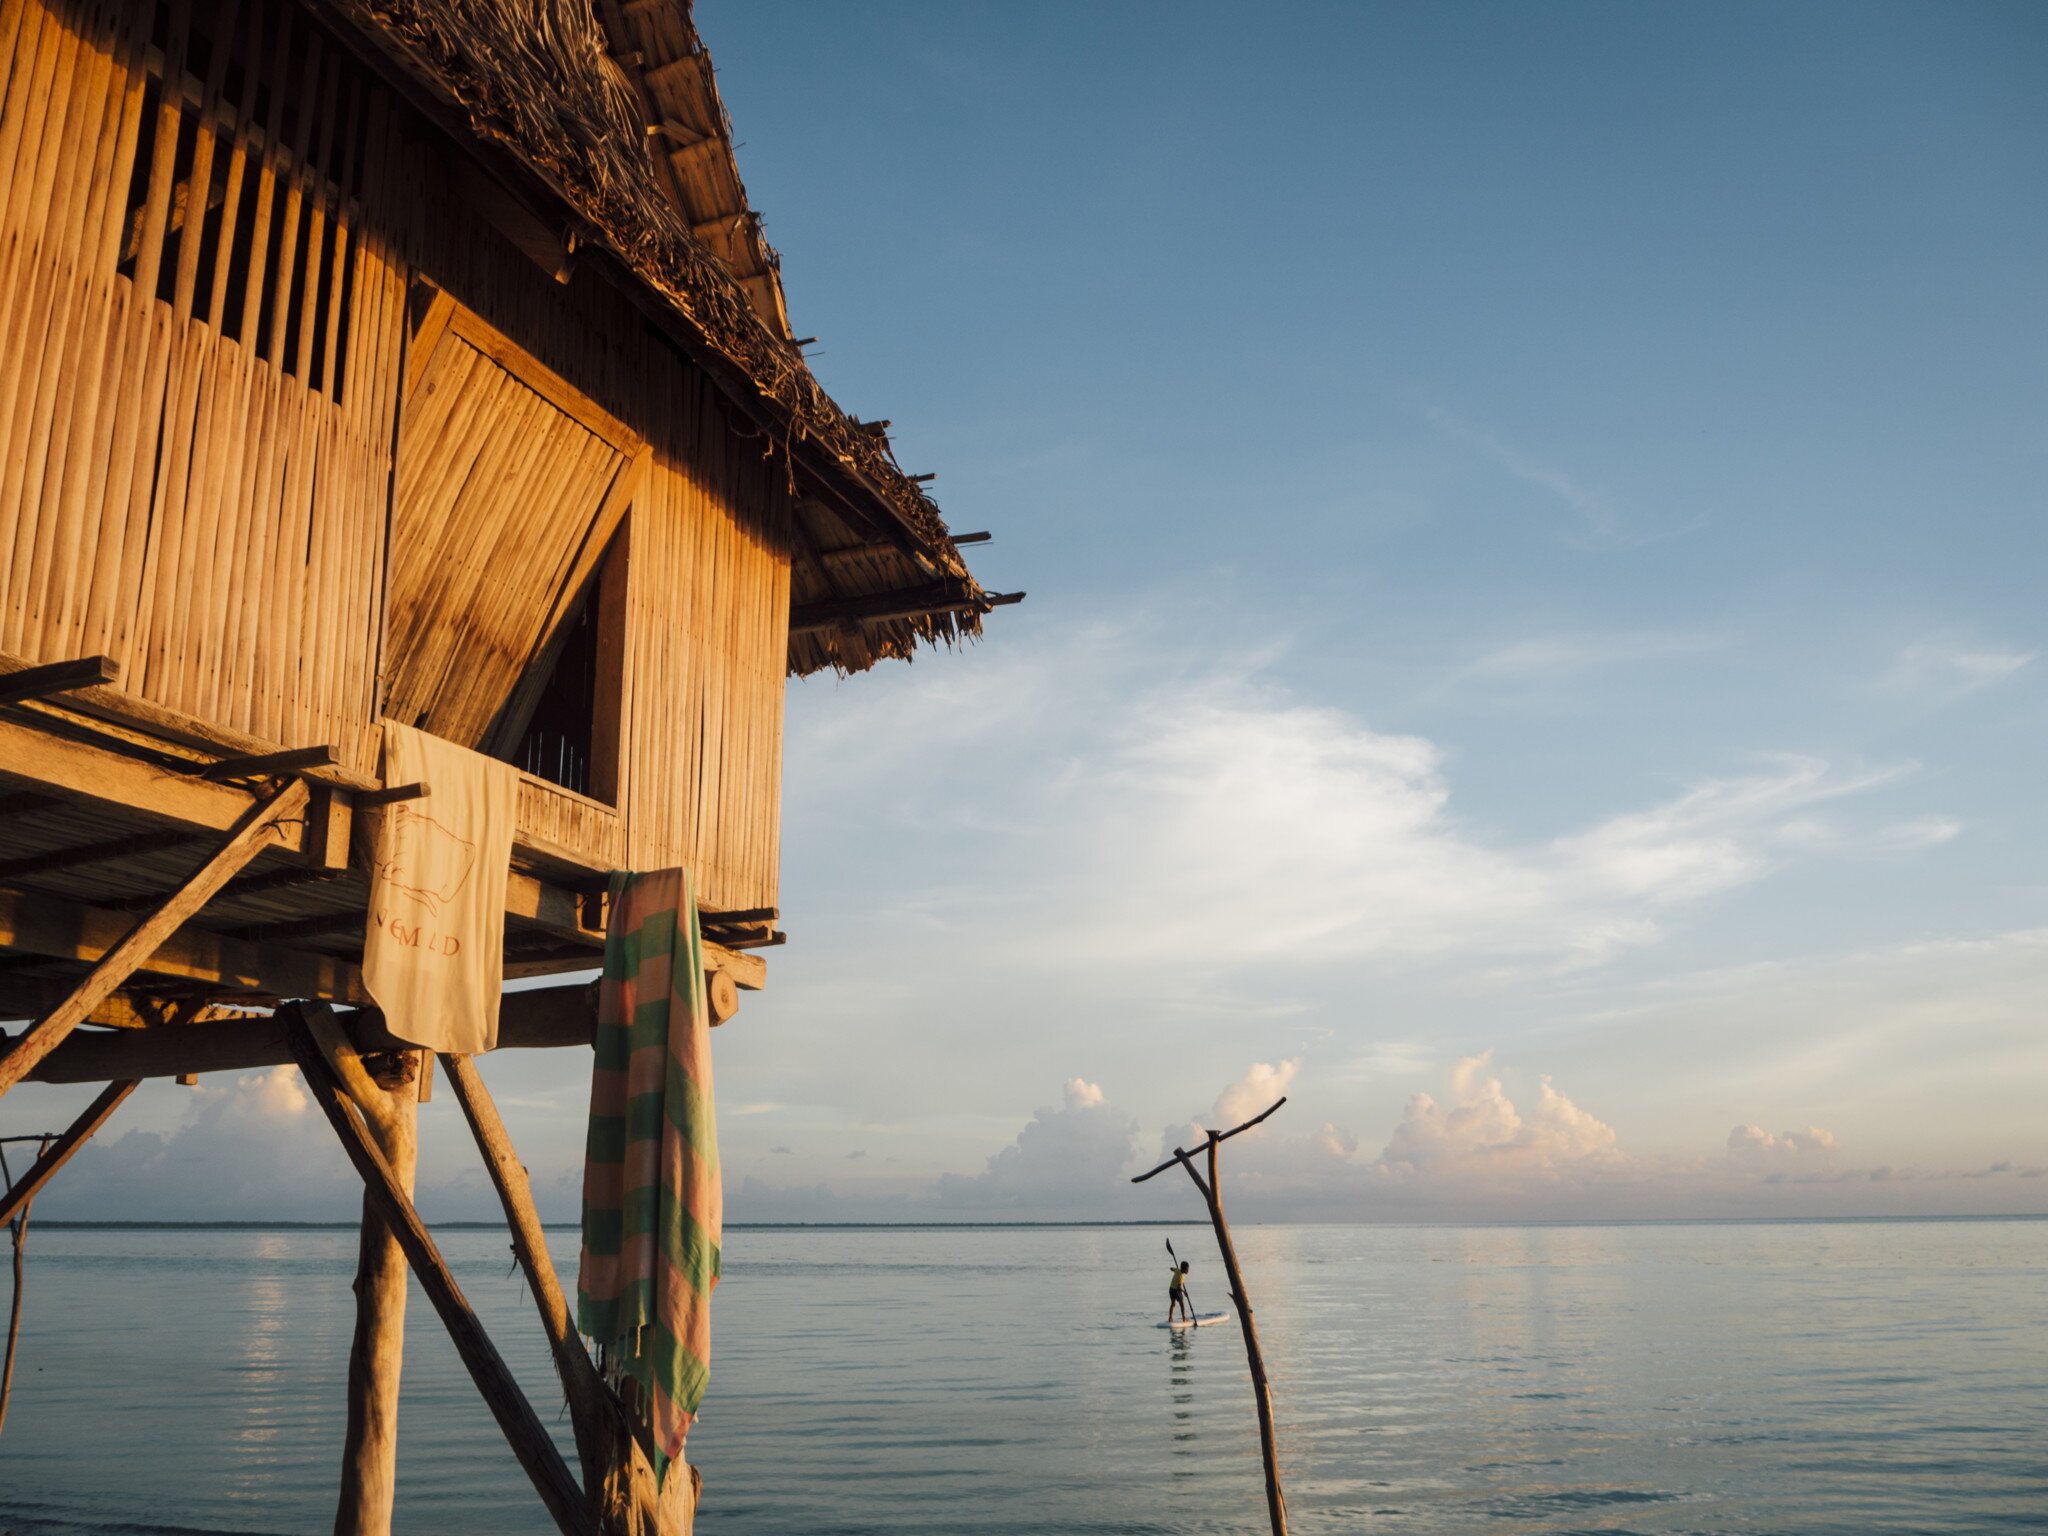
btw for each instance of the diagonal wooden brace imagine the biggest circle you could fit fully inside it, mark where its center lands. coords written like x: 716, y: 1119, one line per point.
x: 523, y: 1430
x: 251, y: 835
x: 581, y: 1384
x: 58, y: 1153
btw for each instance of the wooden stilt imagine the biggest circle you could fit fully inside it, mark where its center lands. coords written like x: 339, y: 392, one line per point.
x: 58, y: 1152
x: 369, y: 1457
x: 631, y: 1502
x: 251, y: 835
x: 19, y: 1226
x: 523, y: 1430
x: 1212, y: 1196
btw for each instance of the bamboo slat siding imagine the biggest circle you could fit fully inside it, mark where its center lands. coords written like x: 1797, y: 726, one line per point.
x: 199, y: 340
x: 298, y: 438
x: 706, y: 632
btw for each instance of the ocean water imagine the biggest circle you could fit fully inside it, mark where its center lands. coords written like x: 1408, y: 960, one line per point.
x: 1781, y: 1377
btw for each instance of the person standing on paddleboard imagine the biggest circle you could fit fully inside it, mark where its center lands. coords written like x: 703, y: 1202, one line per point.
x: 1177, y: 1294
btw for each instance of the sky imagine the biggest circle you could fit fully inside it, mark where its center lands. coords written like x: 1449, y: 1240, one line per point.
x: 1534, y: 532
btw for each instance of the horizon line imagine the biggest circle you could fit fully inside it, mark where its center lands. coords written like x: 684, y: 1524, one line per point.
x: 116, y: 1224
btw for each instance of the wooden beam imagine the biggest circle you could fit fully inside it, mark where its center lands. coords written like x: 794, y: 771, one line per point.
x: 27, y: 997
x: 58, y: 677
x: 125, y: 787
x: 748, y: 971
x: 549, y: 907
x: 391, y: 796
x: 251, y: 959
x: 252, y: 834
x: 63, y: 930
x: 741, y: 918
x: 269, y: 764
x: 951, y: 595
x: 540, y: 1018
x: 59, y: 1152
x: 523, y: 1430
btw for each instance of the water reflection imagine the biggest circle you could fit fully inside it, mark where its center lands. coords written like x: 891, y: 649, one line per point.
x: 264, y: 1383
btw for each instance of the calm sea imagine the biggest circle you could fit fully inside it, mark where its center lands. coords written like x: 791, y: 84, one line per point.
x: 1827, y: 1377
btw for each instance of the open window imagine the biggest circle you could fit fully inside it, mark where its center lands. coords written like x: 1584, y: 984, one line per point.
x: 571, y: 736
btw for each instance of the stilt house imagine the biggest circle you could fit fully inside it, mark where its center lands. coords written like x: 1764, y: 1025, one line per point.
x: 412, y: 360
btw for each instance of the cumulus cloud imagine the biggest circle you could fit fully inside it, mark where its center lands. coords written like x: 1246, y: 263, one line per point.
x: 1065, y: 1159
x: 1480, y: 1133
x: 254, y: 1148
x: 1274, y: 1165
x: 1789, y: 1154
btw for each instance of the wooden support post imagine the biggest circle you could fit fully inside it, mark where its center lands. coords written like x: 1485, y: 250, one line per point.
x: 523, y: 1430
x: 19, y: 1229
x: 251, y: 835
x: 58, y: 1152
x: 1212, y: 1196
x: 630, y: 1500
x: 369, y: 1455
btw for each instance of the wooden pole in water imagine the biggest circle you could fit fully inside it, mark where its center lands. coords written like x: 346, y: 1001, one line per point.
x: 19, y: 1227
x: 389, y: 1101
x: 1212, y: 1196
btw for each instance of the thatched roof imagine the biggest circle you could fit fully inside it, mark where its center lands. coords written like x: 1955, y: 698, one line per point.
x: 584, y: 111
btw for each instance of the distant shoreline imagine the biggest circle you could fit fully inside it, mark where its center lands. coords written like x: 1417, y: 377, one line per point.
x: 986, y: 1226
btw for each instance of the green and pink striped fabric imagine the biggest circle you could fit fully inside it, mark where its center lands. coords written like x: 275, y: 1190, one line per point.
x: 652, y: 1205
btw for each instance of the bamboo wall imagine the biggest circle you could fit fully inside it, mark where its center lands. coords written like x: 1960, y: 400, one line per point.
x: 197, y: 387
x: 216, y: 236
x: 706, y: 631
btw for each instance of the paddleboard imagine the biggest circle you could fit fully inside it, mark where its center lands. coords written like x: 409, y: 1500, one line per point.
x: 1200, y: 1320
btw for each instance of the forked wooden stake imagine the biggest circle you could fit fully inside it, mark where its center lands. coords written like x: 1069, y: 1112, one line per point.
x: 1212, y: 1196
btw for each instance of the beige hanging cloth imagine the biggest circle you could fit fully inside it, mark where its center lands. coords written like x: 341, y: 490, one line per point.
x: 434, y: 959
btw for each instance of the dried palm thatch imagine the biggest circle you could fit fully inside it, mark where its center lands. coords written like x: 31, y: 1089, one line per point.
x: 537, y: 78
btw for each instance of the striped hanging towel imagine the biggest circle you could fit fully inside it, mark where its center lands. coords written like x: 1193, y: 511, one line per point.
x: 652, y: 1204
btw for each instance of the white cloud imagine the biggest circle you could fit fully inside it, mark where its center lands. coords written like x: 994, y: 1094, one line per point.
x: 1262, y: 1084
x: 1481, y: 1134
x: 1065, y: 1160
x: 1272, y: 1162
x: 1789, y: 1154
x: 251, y: 1149
x: 1952, y: 665
x: 1223, y: 821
